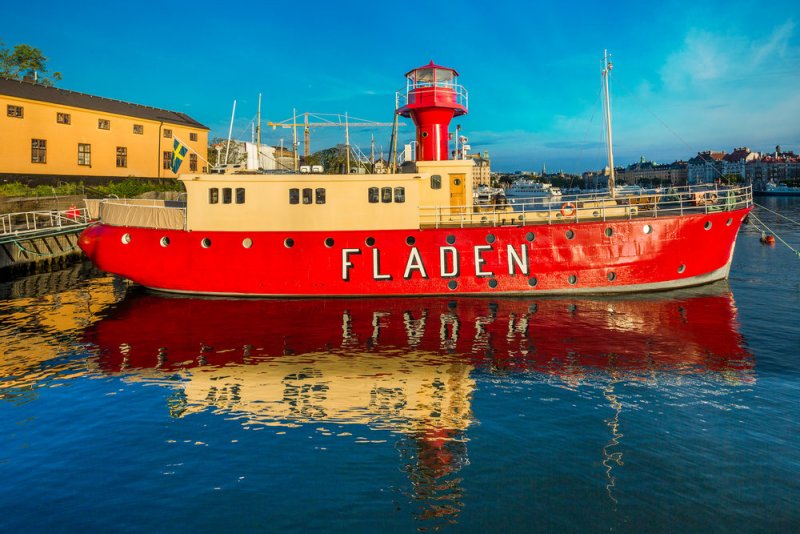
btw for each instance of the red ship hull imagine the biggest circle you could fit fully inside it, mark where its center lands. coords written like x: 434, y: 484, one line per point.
x: 586, y: 257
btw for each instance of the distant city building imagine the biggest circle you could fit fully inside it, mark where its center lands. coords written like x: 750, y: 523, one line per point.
x: 650, y: 172
x: 705, y: 167
x: 777, y: 167
x: 482, y: 172
x: 51, y: 132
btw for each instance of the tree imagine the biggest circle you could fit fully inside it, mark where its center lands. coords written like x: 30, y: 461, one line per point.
x: 26, y: 61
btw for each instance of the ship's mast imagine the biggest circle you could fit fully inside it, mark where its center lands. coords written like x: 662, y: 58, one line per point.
x: 607, y: 105
x: 347, y: 141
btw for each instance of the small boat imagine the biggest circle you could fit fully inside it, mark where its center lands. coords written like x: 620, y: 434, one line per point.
x: 526, y: 195
x: 771, y: 189
x: 417, y: 232
x: 485, y: 195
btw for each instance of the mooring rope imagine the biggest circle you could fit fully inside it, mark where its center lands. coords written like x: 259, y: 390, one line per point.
x: 790, y: 247
x: 781, y: 215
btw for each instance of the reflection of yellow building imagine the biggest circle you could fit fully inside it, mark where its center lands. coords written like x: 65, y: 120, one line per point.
x: 33, y: 327
x: 412, y: 392
x: 54, y: 132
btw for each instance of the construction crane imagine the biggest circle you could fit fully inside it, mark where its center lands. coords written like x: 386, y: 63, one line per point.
x: 340, y: 121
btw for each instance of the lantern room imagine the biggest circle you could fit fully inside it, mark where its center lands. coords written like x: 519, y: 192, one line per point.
x: 432, y: 97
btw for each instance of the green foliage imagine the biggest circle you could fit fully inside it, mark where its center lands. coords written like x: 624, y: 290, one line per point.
x: 17, y: 189
x: 129, y: 188
x: 731, y: 178
x: 25, y: 60
x: 134, y: 187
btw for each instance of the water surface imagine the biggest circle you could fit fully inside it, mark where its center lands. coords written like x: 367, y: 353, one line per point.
x: 128, y: 410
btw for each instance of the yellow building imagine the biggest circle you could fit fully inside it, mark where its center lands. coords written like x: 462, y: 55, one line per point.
x: 46, y: 131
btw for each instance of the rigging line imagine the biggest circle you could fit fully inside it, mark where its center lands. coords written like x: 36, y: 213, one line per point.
x: 797, y: 253
x: 673, y: 132
x: 586, y: 132
x: 776, y: 213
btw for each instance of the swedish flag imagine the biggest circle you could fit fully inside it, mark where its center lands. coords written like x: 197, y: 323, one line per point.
x: 178, y: 153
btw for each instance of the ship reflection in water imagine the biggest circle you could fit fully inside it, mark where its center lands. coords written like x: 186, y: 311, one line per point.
x: 409, y: 366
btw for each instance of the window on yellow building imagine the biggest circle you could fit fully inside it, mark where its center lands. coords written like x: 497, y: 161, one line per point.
x: 122, y: 156
x: 15, y: 111
x: 227, y: 195
x: 84, y: 154
x: 240, y: 195
x: 167, y: 133
x: 104, y: 124
x: 38, y: 151
x: 63, y: 118
x: 192, y: 162
x: 192, y: 137
x: 213, y: 195
x: 307, y: 195
x: 167, y: 159
x: 138, y: 129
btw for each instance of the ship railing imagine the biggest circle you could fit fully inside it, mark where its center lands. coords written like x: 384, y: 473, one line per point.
x: 29, y: 223
x: 563, y: 209
x: 440, y: 93
x: 141, y: 213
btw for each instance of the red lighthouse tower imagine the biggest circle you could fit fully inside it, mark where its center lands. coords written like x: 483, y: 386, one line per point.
x: 432, y: 98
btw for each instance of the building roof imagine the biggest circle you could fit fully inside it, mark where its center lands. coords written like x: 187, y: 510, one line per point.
x: 43, y: 93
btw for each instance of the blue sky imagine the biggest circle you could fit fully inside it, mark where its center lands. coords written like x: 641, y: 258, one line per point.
x: 687, y: 76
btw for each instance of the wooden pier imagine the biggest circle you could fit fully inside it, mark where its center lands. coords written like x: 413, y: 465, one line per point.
x: 36, y: 240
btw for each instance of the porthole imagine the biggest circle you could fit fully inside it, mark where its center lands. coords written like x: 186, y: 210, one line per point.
x: 205, y: 243
x: 329, y: 242
x: 493, y: 283
x: 570, y: 234
x: 530, y: 236
x: 729, y: 222
x: 572, y: 279
x: 370, y: 241
x: 647, y: 228
x: 424, y: 135
x: 126, y: 238
x: 490, y: 238
x: 707, y: 226
x: 288, y: 242
x: 164, y: 241
x: 247, y: 242
x: 452, y: 284
x: 609, y: 232
x: 410, y: 241
x: 681, y: 268
x: 451, y: 239
x: 612, y: 276
x: 532, y: 282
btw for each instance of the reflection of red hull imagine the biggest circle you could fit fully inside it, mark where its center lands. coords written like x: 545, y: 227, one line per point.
x: 679, y: 251
x: 683, y: 332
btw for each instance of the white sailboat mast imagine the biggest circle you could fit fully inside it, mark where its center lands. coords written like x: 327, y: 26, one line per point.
x: 607, y: 105
x: 258, y: 134
x: 230, y: 132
